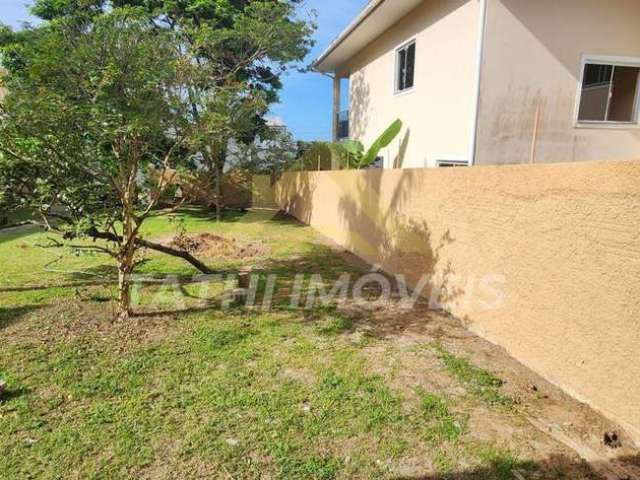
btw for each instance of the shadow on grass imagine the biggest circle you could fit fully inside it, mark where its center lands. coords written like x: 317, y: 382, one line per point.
x: 13, y: 394
x: 104, y: 274
x: 283, y: 218
x: 12, y: 315
x: 308, y: 277
x: 16, y: 233
x: 310, y: 274
x: 207, y: 215
x: 78, y: 284
x: 555, y: 467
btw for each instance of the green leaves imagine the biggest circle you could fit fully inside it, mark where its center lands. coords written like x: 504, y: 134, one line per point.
x: 105, y: 90
x: 353, y: 151
x: 382, y: 142
x: 51, y: 9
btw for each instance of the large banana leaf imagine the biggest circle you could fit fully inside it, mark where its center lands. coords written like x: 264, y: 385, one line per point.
x: 382, y: 142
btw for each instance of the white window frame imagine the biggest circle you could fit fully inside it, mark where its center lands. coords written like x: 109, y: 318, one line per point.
x: 452, y: 163
x: 615, y: 61
x: 396, y: 69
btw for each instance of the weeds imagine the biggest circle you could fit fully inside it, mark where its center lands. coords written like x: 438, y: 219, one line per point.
x: 480, y: 383
x: 442, y: 424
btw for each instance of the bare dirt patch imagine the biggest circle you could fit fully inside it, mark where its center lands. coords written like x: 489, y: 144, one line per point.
x: 78, y: 319
x: 209, y: 244
x: 544, y: 424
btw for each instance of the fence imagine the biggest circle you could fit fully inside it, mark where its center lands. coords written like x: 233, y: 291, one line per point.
x: 543, y: 260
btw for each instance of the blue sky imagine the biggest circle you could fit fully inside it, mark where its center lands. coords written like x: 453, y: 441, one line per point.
x: 305, y: 105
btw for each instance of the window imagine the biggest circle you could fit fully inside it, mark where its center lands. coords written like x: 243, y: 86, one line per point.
x: 378, y: 163
x: 609, y: 93
x: 405, y: 67
x: 452, y: 163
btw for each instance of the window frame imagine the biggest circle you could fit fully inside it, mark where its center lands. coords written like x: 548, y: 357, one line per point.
x: 452, y: 163
x: 396, y: 70
x: 614, y: 61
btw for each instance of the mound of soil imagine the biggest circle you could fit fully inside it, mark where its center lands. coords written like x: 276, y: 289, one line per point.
x: 209, y: 244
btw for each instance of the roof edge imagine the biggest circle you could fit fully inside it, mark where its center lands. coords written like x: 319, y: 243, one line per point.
x: 371, y: 7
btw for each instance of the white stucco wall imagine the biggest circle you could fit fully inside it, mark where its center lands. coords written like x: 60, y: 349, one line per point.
x: 438, y: 113
x: 533, y: 61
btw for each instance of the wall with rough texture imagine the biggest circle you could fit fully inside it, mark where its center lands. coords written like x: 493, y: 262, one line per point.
x: 531, y: 69
x: 541, y: 259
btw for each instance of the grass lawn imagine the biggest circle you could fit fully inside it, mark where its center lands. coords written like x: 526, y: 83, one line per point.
x: 239, y: 393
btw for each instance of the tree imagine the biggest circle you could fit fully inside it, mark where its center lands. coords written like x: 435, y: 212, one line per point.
x: 272, y: 153
x: 92, y: 108
x: 239, y: 46
x: 103, y: 98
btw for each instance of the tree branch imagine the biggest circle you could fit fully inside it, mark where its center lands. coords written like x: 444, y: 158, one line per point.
x: 139, y: 242
x: 176, y: 253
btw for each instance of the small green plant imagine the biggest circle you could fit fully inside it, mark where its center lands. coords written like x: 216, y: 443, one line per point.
x: 353, y: 151
x: 500, y: 462
x: 482, y: 384
x: 332, y: 323
x: 442, y: 424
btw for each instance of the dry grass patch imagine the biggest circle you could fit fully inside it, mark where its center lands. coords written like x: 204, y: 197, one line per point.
x: 212, y: 245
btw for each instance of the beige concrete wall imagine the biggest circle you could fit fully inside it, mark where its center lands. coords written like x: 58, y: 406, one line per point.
x: 262, y: 192
x: 532, y: 60
x: 543, y: 260
x: 438, y: 113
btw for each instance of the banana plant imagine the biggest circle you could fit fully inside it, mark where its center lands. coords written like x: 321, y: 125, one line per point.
x: 354, y: 153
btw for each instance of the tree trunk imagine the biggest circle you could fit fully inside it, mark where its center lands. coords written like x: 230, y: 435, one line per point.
x: 218, y: 193
x: 128, y: 246
x: 125, y: 267
x: 219, y: 161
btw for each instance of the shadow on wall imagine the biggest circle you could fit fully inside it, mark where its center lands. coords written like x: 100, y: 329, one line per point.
x: 298, y: 195
x: 371, y: 109
x: 398, y: 162
x: 396, y: 242
x: 359, y: 105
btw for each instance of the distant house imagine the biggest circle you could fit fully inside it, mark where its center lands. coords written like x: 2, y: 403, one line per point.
x: 480, y: 82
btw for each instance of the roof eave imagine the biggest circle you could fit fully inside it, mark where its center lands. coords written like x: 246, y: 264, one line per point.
x: 362, y: 16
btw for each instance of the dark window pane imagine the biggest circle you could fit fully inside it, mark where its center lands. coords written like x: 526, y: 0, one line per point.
x: 402, y: 67
x: 623, y: 94
x: 595, y: 93
x: 597, y: 74
x: 411, y: 63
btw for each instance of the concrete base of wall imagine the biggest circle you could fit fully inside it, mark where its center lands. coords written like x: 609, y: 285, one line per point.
x: 543, y: 260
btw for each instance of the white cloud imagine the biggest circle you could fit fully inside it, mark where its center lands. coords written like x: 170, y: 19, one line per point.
x: 276, y: 122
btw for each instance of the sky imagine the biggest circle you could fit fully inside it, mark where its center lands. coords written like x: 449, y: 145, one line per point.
x: 306, y: 99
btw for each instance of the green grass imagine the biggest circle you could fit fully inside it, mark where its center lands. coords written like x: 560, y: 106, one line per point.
x: 480, y: 383
x: 501, y: 462
x: 208, y: 393
x: 442, y: 424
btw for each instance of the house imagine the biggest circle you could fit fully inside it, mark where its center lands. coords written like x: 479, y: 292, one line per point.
x: 480, y: 82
